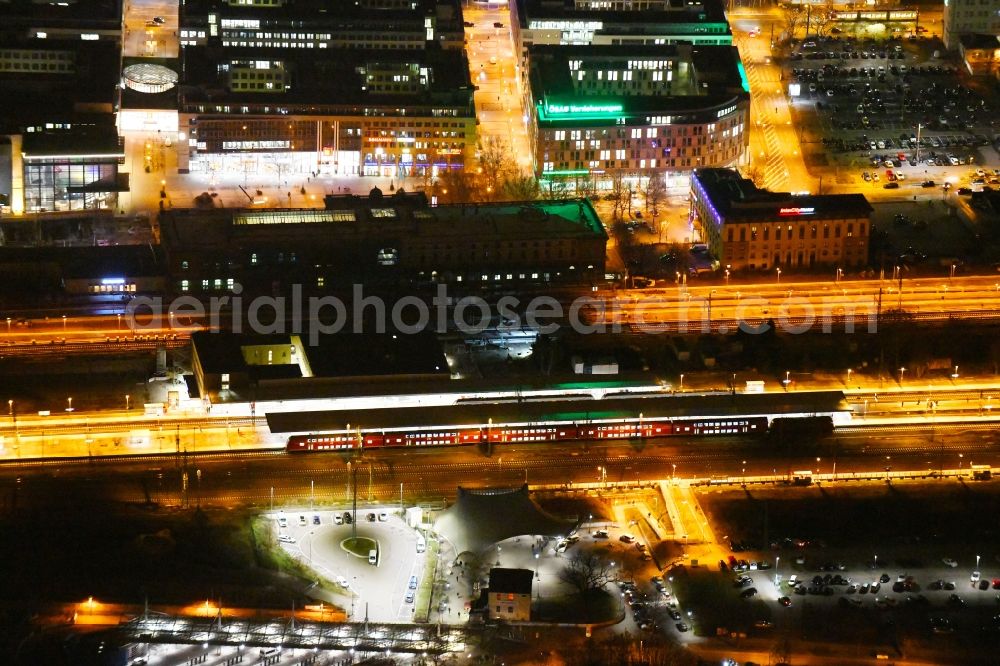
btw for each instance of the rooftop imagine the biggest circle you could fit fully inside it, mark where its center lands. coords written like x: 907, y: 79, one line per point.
x: 79, y: 15
x: 737, y: 199
x: 700, y: 77
x: 79, y: 75
x: 324, y: 12
x: 671, y: 11
x: 354, y: 218
x: 329, y: 76
x: 512, y: 581
x: 979, y: 41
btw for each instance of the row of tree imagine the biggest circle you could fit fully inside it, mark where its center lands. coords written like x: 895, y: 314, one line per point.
x: 498, y: 178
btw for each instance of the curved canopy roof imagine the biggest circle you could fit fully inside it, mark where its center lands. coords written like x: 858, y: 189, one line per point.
x: 481, y: 517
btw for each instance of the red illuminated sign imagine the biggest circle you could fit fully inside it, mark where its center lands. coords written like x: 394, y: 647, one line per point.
x: 796, y: 211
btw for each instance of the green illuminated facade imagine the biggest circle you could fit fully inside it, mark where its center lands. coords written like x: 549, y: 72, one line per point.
x: 641, y: 110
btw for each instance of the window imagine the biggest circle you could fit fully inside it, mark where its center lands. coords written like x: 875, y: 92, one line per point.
x: 253, y: 258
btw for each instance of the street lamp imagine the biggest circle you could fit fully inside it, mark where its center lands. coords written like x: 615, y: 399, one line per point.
x: 682, y: 381
x: 840, y: 274
x: 779, y: 273
x: 727, y: 275
x: 954, y: 375
x: 777, y: 561
x: 69, y: 404
x: 64, y: 322
x: 744, y: 472
x: 788, y: 379
x: 902, y: 371
x: 128, y: 404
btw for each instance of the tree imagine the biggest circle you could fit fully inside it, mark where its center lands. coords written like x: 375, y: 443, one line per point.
x: 754, y: 173
x: 586, y: 572
x: 585, y: 186
x: 619, y: 195
x: 825, y: 17
x: 455, y: 186
x: 496, y: 166
x: 791, y: 18
x: 521, y: 188
x: 654, y: 194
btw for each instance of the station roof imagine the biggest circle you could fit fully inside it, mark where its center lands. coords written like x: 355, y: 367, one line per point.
x: 482, y: 517
x: 737, y: 199
x: 580, y: 409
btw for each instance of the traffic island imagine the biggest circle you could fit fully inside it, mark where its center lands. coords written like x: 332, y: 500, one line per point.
x: 359, y: 546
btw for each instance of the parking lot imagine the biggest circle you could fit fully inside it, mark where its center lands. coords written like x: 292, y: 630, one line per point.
x: 896, y: 110
x: 387, y: 591
x: 873, y: 565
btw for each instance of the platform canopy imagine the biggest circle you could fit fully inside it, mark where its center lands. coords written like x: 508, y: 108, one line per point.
x: 482, y: 517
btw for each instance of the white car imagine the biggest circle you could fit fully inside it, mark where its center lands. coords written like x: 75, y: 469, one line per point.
x: 338, y: 519
x: 341, y: 581
x: 302, y: 521
x: 383, y: 516
x: 282, y: 522
x: 975, y: 577
x: 948, y: 562
x: 284, y: 538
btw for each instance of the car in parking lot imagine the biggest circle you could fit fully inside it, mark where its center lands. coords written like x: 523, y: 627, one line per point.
x: 302, y: 521
x: 316, y: 520
x: 928, y: 183
x: 348, y: 518
x: 409, y: 596
x: 626, y: 538
x: 284, y: 538
x: 785, y: 601
x: 338, y: 519
x: 891, y: 186
x: 282, y: 522
x: 383, y: 516
x: 682, y: 627
x: 413, y: 583
x: 601, y: 534
x: 748, y: 593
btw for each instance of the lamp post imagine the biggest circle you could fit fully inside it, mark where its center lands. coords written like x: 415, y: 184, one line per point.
x: 788, y: 379
x: 954, y: 375
x: 840, y: 274
x: 727, y: 274
x: 849, y: 371
x: 902, y: 371
x: 779, y: 273
x: 682, y: 381
x: 128, y: 403
x: 69, y: 404
x: 744, y: 472
x: 777, y: 576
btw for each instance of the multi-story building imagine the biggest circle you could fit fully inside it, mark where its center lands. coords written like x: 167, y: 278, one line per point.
x: 59, y: 148
x: 390, y: 241
x: 598, y: 110
x: 317, y: 24
x: 750, y: 228
x: 509, y: 595
x: 981, y: 54
x: 617, y: 23
x: 966, y: 17
x: 343, y: 111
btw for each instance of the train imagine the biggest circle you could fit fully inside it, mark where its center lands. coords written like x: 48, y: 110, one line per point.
x: 527, y: 433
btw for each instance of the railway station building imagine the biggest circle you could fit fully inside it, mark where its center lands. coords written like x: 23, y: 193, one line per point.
x: 398, y: 241
x: 750, y: 228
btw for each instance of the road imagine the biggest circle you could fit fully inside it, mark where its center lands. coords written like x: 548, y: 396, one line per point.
x: 495, y: 71
x: 774, y: 142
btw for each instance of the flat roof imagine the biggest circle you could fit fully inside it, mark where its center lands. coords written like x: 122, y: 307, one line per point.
x: 35, y: 96
x: 363, y: 219
x: 713, y: 77
x: 737, y: 199
x: 79, y: 15
x: 86, y: 137
x: 675, y: 11
x: 326, y: 76
x: 320, y: 12
x: 581, y: 409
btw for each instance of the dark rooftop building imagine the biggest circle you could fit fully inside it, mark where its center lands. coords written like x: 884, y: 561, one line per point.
x: 748, y: 227
x: 396, y: 241
x: 234, y: 366
x: 61, y: 20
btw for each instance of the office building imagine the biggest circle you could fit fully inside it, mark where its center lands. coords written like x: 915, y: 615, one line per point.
x: 317, y: 24
x: 292, y: 112
x: 598, y: 110
x: 969, y: 17
x: 617, y: 23
x: 750, y: 228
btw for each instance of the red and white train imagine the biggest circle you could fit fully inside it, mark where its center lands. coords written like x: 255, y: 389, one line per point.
x: 551, y: 431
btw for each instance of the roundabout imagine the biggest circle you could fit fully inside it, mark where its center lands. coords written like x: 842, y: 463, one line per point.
x: 359, y: 546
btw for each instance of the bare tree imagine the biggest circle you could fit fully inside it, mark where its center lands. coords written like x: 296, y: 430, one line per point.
x: 496, y: 165
x: 456, y: 186
x: 585, y: 186
x: 754, y: 173
x: 620, y: 194
x: 556, y: 189
x: 654, y: 193
x: 791, y: 17
x: 586, y: 572
x: 825, y: 17
x: 520, y: 188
